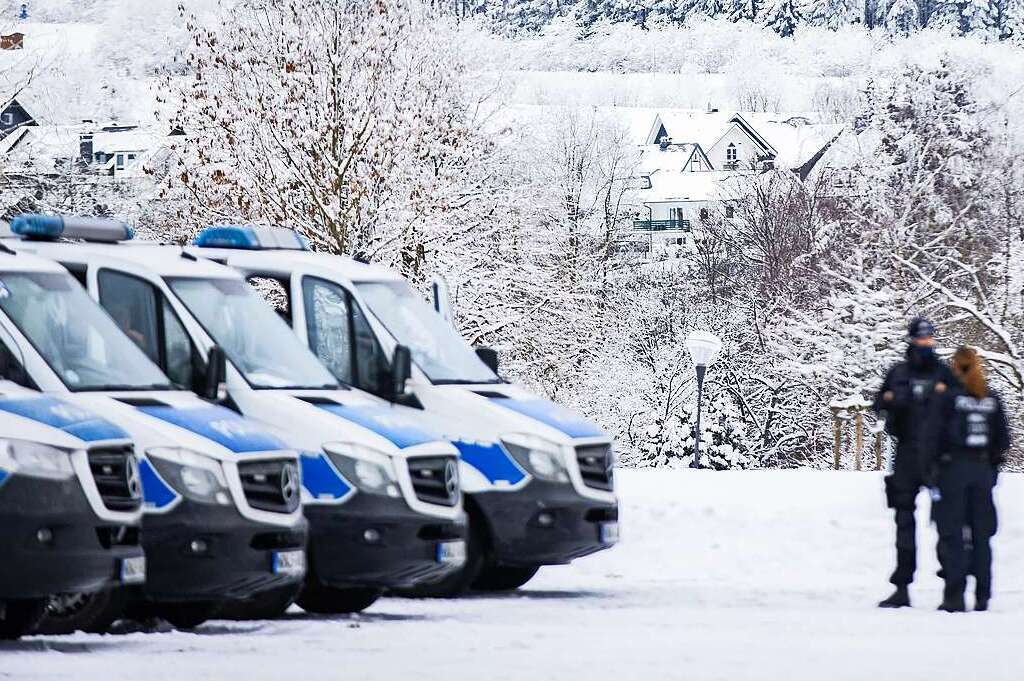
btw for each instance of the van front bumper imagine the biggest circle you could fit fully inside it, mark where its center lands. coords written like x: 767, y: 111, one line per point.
x: 201, y: 552
x: 53, y: 542
x: 378, y: 542
x: 546, y: 523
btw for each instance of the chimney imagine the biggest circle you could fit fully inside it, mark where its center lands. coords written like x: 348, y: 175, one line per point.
x: 85, y: 147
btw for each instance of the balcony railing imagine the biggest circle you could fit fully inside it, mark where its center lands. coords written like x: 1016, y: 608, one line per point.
x: 661, y: 225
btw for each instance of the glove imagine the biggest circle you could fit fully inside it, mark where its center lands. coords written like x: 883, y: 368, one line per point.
x: 935, y: 493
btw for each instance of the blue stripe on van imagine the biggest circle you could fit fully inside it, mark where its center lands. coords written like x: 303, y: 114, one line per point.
x: 551, y: 414
x: 386, y: 421
x: 70, y: 418
x: 221, y: 425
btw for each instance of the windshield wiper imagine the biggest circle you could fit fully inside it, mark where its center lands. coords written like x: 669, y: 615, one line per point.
x: 463, y: 381
x: 325, y: 386
x: 116, y: 387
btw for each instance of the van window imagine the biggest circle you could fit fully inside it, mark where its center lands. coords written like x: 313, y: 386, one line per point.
x: 341, y: 336
x: 73, y: 335
x: 146, y: 317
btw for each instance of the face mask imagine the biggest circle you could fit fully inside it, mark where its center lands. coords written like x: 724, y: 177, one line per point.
x: 922, y: 354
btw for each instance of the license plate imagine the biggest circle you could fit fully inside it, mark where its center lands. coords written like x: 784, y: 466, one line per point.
x: 451, y: 552
x: 290, y: 562
x: 133, y: 570
x: 609, y: 533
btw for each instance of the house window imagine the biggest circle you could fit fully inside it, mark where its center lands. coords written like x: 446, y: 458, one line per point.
x: 731, y: 155
x: 704, y: 214
x: 119, y: 162
x: 7, y: 119
x: 131, y: 157
x: 730, y: 212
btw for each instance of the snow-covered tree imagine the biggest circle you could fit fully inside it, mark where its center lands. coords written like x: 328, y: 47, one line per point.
x: 900, y: 16
x: 743, y: 10
x: 783, y: 17
x: 346, y: 121
x: 833, y: 14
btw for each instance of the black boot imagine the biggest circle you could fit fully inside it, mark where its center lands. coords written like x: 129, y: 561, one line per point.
x: 953, y: 601
x: 900, y: 598
x: 981, y: 601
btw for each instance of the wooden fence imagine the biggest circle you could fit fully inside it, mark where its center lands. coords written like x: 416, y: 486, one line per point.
x: 854, y: 410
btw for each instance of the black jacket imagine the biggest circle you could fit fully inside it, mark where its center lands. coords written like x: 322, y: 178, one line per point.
x: 964, y: 426
x: 906, y: 402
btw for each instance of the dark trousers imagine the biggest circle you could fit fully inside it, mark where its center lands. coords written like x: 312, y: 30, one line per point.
x: 966, y: 510
x: 901, y: 493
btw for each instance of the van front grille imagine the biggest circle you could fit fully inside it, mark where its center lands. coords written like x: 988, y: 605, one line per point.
x: 596, y: 466
x: 271, y: 485
x: 435, y: 479
x: 116, y: 474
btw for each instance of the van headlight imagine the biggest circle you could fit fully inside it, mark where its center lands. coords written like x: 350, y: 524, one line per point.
x: 193, y: 475
x: 36, y: 460
x: 370, y: 471
x: 545, y: 460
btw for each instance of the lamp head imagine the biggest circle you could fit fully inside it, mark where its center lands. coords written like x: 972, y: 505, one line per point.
x: 704, y: 347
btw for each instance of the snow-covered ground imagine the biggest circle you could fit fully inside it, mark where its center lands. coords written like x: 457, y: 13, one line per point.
x: 732, y: 576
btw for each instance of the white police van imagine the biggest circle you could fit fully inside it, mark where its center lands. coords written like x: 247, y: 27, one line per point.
x: 538, y: 478
x: 222, y: 515
x: 70, y: 500
x: 381, y: 491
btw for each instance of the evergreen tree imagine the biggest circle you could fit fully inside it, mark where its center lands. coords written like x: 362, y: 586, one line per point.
x: 783, y: 17
x: 903, y: 17
x: 743, y: 10
x: 833, y: 13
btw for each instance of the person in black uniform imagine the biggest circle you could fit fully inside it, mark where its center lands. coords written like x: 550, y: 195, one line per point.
x: 904, y: 402
x: 971, y: 439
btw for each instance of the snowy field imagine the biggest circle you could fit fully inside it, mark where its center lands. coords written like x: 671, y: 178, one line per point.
x: 732, y: 576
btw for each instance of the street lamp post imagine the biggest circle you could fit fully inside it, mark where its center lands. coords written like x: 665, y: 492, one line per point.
x: 704, y: 348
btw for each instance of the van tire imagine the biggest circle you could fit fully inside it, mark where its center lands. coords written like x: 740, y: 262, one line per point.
x: 19, y: 617
x: 93, y: 612
x: 457, y: 583
x: 504, y: 577
x: 266, y: 605
x: 327, y: 600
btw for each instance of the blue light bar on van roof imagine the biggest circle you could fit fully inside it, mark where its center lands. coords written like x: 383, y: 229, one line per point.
x: 52, y: 227
x: 251, y: 238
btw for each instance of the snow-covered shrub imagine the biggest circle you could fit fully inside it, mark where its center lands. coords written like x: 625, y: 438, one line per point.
x: 724, y: 440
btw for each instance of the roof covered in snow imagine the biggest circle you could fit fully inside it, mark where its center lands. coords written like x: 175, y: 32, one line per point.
x: 680, y: 186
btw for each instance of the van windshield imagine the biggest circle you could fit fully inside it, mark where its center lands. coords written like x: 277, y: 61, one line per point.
x: 442, y: 354
x: 255, y: 339
x: 75, y: 337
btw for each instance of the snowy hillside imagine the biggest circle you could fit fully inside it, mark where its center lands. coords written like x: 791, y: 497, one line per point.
x: 735, y: 576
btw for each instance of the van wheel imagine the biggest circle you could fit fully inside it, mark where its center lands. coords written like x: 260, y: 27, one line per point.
x: 459, y: 582
x: 504, y: 577
x: 20, y: 617
x: 93, y: 612
x: 326, y: 600
x: 185, y: 615
x: 266, y: 605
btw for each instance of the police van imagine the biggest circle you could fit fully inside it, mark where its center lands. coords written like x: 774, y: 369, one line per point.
x: 222, y: 516
x: 70, y: 500
x: 381, y: 491
x: 538, y: 478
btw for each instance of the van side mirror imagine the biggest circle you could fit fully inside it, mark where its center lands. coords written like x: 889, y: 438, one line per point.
x: 401, y: 370
x: 214, y: 385
x: 488, y: 356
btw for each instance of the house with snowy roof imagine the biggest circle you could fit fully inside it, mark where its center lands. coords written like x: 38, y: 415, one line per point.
x: 693, y: 164
x: 114, y: 150
x: 15, y: 115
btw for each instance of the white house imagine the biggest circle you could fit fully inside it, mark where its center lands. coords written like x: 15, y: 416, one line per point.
x: 113, y: 150
x: 693, y: 164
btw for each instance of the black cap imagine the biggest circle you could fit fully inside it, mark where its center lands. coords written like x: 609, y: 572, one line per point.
x: 920, y: 328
